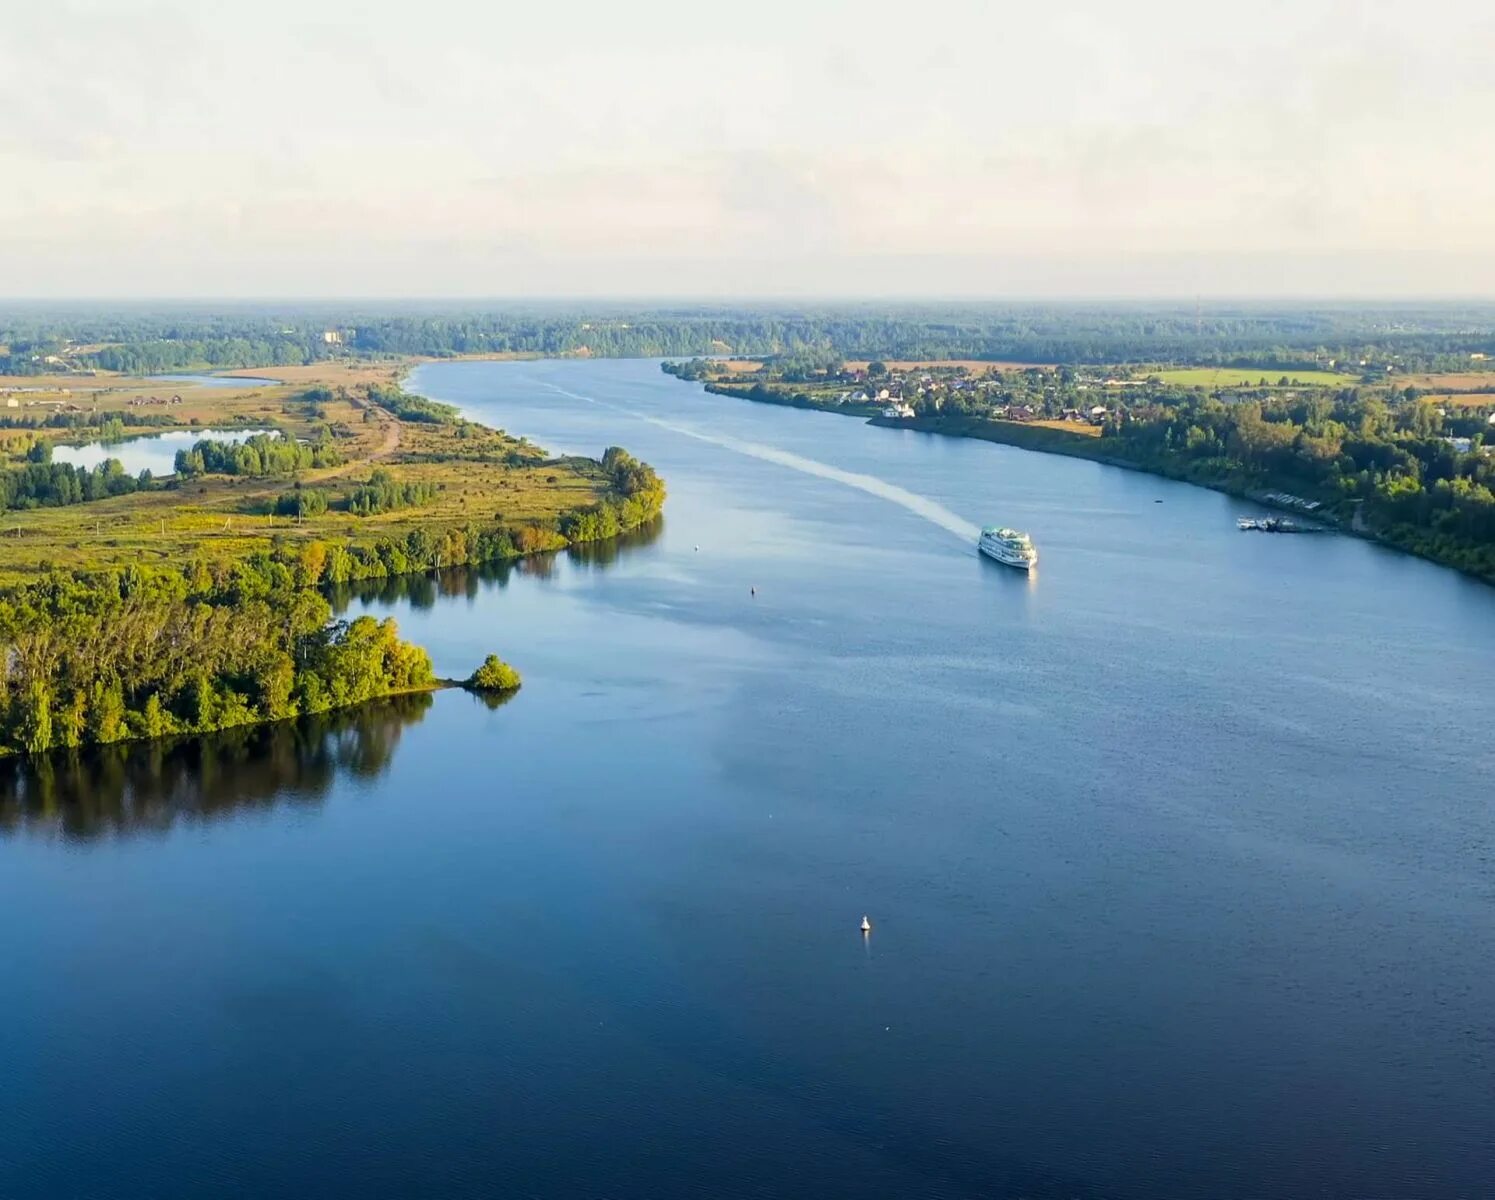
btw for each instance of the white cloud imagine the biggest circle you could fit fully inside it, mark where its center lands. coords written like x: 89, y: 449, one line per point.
x: 667, y: 147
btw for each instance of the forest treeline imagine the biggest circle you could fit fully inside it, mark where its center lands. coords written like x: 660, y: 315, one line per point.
x: 637, y: 497
x: 262, y: 454
x: 43, y: 483
x: 141, y: 654
x: 1417, y: 488
x: 384, y: 493
x: 1414, y: 337
x: 409, y: 407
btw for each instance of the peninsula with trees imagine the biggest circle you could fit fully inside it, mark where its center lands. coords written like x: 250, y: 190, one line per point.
x: 137, y: 606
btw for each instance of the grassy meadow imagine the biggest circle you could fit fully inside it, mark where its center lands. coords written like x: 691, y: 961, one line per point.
x: 476, y: 475
x: 1233, y: 377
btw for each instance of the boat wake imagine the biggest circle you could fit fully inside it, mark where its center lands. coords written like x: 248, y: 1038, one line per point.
x: 921, y: 506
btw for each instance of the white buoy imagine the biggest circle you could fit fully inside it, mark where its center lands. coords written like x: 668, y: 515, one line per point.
x: 866, y: 925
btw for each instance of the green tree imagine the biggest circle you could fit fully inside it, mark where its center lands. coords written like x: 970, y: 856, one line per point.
x: 494, y: 675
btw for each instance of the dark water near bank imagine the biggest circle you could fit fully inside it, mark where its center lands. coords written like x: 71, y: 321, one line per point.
x: 1181, y: 857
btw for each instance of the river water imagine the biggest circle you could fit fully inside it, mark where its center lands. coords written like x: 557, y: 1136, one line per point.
x: 1180, y: 857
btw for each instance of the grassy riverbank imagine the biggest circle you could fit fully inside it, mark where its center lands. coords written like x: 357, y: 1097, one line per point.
x: 469, y: 478
x: 144, y: 607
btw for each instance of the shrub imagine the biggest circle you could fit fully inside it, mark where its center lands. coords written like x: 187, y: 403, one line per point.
x: 494, y: 675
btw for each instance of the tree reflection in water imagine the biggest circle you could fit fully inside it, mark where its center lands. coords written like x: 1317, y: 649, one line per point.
x: 609, y: 550
x: 147, y: 787
x: 423, y: 589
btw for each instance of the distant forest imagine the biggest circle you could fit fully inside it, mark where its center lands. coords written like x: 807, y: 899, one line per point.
x: 144, y: 340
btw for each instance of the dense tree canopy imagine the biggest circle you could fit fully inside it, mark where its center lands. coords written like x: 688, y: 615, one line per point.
x: 384, y: 493
x: 1412, y: 337
x: 262, y: 454
x: 139, y: 654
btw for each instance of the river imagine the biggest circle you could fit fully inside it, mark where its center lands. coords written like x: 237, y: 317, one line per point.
x: 1180, y: 858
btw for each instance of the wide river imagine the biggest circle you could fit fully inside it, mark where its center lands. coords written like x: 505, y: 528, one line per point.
x: 1180, y: 858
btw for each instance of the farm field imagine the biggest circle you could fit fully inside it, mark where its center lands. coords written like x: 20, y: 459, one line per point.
x: 1252, y: 376
x: 1450, y: 381
x: 1463, y: 399
x: 1083, y: 428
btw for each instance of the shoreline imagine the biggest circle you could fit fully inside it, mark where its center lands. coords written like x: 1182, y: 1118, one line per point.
x: 51, y: 709
x: 1042, y: 439
x: 494, y: 697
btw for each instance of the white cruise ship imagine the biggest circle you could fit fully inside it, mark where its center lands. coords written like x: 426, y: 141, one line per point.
x: 1008, y: 546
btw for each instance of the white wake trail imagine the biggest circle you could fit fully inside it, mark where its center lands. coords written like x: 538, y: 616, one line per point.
x: 921, y: 506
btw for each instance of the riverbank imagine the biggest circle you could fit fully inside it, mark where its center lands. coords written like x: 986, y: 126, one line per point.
x: 1048, y: 440
x: 1343, y: 514
x: 449, y: 475
x: 137, y: 608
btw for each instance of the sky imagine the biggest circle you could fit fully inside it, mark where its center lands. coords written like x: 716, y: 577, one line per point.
x: 787, y: 148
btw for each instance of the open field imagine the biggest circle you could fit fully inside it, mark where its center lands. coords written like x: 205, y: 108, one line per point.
x: 1212, y: 377
x: 335, y: 373
x: 1452, y: 381
x: 1083, y: 428
x: 1463, y: 399
x: 81, y: 388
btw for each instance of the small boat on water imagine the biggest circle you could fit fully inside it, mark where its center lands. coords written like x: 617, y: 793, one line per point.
x: 866, y: 925
x: 1268, y: 525
x: 1008, y: 546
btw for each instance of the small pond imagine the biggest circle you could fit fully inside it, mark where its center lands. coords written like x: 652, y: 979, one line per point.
x: 217, y: 381
x: 156, y: 451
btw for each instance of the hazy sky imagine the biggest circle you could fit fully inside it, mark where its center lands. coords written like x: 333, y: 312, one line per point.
x: 783, y: 147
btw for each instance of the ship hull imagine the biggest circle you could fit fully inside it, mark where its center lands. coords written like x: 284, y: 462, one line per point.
x: 998, y: 554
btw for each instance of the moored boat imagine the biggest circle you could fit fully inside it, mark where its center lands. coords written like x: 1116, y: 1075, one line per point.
x: 1268, y: 525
